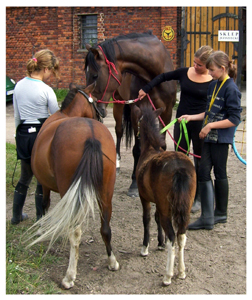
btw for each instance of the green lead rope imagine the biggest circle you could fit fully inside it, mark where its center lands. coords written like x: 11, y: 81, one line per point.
x: 182, y: 127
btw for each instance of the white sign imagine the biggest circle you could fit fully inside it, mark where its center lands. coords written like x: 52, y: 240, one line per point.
x: 228, y: 35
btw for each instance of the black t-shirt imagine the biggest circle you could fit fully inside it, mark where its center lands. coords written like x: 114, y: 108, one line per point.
x: 193, y: 97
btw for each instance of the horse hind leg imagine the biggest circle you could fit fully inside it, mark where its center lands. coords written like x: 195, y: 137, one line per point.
x: 181, y: 265
x: 170, y: 244
x: 161, y: 245
x: 170, y: 263
x: 74, y: 238
x: 146, y: 223
x: 113, y: 265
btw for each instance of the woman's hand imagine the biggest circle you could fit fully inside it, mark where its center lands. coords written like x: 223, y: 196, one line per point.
x: 204, y: 131
x: 185, y: 117
x: 141, y: 94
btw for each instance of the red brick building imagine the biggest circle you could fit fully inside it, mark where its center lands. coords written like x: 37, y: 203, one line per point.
x: 62, y: 30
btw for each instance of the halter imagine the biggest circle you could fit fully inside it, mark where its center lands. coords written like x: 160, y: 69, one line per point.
x: 109, y: 64
x: 91, y: 101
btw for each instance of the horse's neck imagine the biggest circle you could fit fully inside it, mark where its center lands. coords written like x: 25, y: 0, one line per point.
x: 76, y: 109
x: 139, y: 59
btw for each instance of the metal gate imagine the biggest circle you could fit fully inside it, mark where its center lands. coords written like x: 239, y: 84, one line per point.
x: 200, y: 26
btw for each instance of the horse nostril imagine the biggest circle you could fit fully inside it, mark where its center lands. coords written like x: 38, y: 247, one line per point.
x: 104, y: 112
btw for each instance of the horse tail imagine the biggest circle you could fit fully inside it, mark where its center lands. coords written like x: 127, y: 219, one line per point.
x: 79, y: 201
x: 127, y: 125
x: 181, y: 186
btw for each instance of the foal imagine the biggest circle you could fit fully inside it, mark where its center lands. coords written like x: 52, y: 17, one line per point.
x: 168, y: 179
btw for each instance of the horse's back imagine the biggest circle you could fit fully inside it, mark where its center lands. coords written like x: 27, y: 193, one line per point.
x: 166, y: 164
x: 156, y: 177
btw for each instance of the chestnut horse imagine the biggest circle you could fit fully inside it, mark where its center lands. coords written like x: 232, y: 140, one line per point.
x: 75, y: 156
x: 142, y: 55
x: 168, y: 179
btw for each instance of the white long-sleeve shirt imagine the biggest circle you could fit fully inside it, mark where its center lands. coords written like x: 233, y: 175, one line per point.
x: 31, y: 100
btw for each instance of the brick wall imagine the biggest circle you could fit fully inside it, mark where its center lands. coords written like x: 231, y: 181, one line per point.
x: 29, y: 29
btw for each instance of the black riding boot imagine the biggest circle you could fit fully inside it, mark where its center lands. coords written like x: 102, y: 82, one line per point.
x: 206, y: 220
x: 18, y: 203
x: 39, y: 201
x: 221, y: 201
x: 197, y: 202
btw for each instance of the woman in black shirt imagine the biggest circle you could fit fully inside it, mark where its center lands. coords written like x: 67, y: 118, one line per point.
x: 194, y: 83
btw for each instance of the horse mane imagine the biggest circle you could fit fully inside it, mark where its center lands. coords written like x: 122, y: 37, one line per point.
x: 149, y: 129
x: 109, y: 50
x: 68, y: 99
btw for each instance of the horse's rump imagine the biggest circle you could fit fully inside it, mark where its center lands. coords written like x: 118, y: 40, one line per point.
x: 173, y: 174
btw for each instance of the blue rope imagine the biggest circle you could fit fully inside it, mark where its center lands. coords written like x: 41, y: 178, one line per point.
x: 235, y: 150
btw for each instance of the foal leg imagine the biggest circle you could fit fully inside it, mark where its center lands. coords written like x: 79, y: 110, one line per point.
x: 146, y: 223
x: 161, y: 245
x: 74, y: 238
x: 181, y: 265
x: 113, y: 265
x: 167, y: 226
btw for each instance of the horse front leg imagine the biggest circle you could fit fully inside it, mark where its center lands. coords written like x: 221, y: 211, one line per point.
x: 146, y: 223
x: 74, y: 238
x: 181, y: 264
x: 113, y: 265
x: 118, y: 113
x: 133, y: 189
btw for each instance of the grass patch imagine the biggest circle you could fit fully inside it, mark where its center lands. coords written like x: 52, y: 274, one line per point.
x: 61, y: 94
x: 26, y: 268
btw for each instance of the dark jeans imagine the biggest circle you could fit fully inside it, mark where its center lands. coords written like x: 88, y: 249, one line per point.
x: 213, y: 155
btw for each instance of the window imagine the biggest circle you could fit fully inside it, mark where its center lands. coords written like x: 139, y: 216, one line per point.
x: 88, y: 30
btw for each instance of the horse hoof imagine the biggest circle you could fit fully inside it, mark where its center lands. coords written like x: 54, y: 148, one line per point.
x: 67, y: 284
x: 145, y: 251
x: 161, y: 248
x: 182, y: 275
x: 167, y: 280
x: 133, y: 193
x: 113, y: 265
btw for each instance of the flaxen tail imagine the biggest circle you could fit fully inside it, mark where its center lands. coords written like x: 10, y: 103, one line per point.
x: 79, y: 201
x: 181, y: 202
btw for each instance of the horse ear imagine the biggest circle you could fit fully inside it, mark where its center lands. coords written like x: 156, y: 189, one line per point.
x: 90, y: 88
x: 158, y: 112
x: 97, y: 53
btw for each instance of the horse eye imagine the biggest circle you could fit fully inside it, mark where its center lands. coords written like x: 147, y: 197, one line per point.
x: 95, y: 76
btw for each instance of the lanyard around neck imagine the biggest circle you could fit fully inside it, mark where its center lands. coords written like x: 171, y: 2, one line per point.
x: 214, y: 95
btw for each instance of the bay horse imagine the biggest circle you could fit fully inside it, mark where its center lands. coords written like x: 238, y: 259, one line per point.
x: 144, y: 56
x: 74, y: 155
x: 168, y: 179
